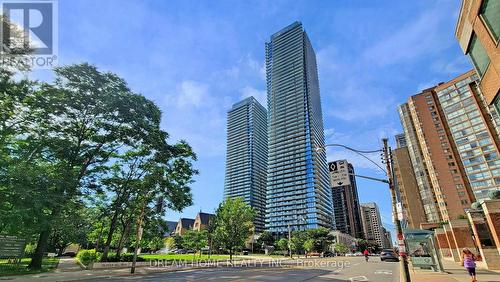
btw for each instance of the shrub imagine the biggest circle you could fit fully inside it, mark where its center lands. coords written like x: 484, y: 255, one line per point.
x: 86, y: 257
x: 127, y: 257
x: 30, y: 249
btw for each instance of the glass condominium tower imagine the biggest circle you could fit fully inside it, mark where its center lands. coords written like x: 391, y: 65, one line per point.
x: 246, y: 160
x: 298, y: 192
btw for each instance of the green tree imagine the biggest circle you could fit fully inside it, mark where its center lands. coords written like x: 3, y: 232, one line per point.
x: 282, y: 245
x: 195, y: 240
x: 72, y: 226
x: 178, y: 242
x: 156, y: 243
x: 309, y: 245
x: 341, y: 248
x: 322, y: 238
x: 62, y: 142
x: 169, y: 243
x: 298, y: 240
x: 265, y: 239
x: 234, y: 224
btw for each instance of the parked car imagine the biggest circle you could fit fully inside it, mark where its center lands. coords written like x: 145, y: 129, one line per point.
x: 358, y: 254
x: 388, y: 255
x: 328, y: 254
x: 69, y: 254
x: 181, y: 251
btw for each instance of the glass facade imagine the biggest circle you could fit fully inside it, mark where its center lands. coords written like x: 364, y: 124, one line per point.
x: 246, y: 160
x: 478, y: 55
x: 421, y: 173
x: 490, y: 13
x: 298, y: 191
x: 471, y: 135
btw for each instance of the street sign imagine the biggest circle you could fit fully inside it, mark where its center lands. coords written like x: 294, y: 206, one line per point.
x: 339, y: 173
x: 11, y: 247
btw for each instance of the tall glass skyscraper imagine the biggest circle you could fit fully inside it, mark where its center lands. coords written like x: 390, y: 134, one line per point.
x: 298, y: 191
x: 246, y: 160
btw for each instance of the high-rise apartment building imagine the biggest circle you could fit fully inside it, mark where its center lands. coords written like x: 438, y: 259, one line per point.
x: 406, y: 183
x: 387, y: 239
x: 400, y: 141
x: 246, y: 160
x: 472, y: 132
x: 446, y: 174
x: 346, y: 207
x: 372, y: 223
x: 426, y: 192
x: 298, y: 193
x: 478, y: 33
x: 458, y: 141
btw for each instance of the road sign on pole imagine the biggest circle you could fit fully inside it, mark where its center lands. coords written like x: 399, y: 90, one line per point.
x: 339, y: 173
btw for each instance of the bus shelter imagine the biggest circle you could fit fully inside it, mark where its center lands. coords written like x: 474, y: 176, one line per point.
x: 422, y: 250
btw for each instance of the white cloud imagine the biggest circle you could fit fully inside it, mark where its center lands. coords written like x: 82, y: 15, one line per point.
x: 192, y: 94
x: 257, y: 67
x: 326, y: 59
x: 192, y: 114
x: 260, y: 95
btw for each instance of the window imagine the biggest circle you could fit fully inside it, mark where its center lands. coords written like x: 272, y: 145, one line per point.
x: 478, y: 55
x: 496, y: 102
x: 490, y: 13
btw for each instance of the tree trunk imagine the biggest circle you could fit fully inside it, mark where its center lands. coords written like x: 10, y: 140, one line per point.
x: 112, y: 228
x: 138, y: 238
x: 61, y: 250
x: 36, y: 261
x: 123, y: 237
x: 98, y: 239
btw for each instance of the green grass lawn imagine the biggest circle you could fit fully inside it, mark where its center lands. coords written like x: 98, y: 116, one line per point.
x: 265, y: 256
x: 7, y: 269
x: 184, y: 257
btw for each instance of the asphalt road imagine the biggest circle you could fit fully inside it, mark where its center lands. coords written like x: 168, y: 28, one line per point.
x: 326, y: 269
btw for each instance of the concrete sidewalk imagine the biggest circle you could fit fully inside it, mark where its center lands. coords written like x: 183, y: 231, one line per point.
x: 68, y: 264
x: 454, y: 272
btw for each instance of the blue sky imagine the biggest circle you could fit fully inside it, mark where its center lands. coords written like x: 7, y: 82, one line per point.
x: 196, y: 58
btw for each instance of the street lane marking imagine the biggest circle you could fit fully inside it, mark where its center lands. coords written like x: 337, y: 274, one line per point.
x: 384, y: 271
x: 358, y: 278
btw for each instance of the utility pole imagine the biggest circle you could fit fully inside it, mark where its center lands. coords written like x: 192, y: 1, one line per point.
x: 387, y: 154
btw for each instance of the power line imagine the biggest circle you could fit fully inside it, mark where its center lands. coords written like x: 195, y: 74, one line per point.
x: 359, y: 152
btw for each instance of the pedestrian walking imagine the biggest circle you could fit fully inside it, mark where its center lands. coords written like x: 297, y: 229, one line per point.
x: 469, y: 262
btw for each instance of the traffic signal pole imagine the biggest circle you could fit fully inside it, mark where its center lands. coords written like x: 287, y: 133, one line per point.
x: 387, y: 155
